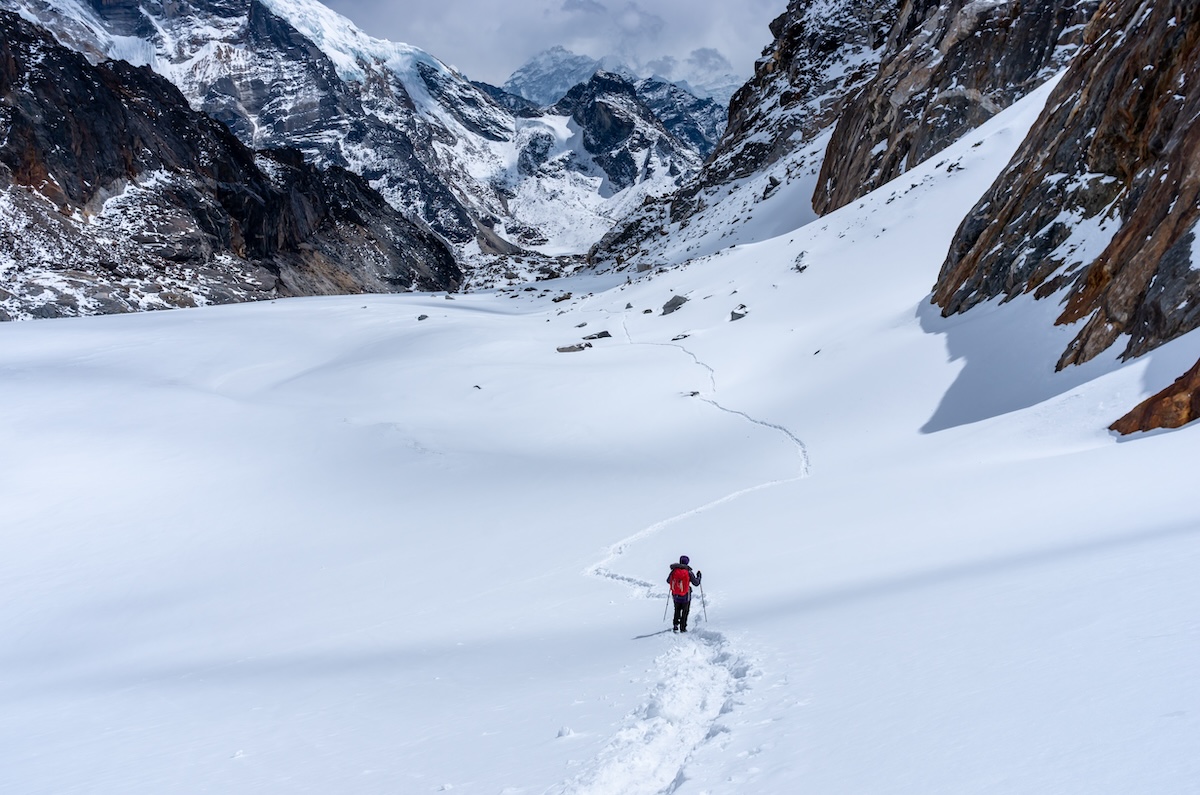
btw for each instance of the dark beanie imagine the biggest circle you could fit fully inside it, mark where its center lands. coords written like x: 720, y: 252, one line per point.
x: 683, y: 559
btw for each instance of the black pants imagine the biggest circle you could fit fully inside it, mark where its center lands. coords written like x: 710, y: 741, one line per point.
x: 682, y: 606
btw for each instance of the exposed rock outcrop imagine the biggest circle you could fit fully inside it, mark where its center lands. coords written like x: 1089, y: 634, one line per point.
x: 622, y: 134
x: 821, y: 53
x: 948, y: 66
x: 1173, y: 407
x: 696, y: 121
x: 1099, y: 207
x: 116, y: 195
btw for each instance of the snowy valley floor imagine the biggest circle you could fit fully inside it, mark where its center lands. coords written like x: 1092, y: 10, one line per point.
x: 325, y: 546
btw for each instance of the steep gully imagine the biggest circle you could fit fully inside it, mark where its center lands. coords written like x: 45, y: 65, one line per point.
x: 697, y: 681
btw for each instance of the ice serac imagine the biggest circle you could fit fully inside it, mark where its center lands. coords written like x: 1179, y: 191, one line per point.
x: 822, y: 51
x: 1100, y: 206
x: 947, y: 67
x: 116, y: 195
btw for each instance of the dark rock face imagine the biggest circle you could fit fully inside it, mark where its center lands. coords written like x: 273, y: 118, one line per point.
x: 518, y: 105
x: 291, y: 95
x: 1100, y: 205
x: 821, y: 53
x: 695, y: 121
x: 621, y: 132
x: 947, y: 68
x: 244, y: 65
x: 116, y: 195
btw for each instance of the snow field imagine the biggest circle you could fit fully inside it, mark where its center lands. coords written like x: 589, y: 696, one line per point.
x: 323, y: 546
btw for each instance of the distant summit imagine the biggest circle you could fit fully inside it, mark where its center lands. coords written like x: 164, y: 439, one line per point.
x: 548, y: 76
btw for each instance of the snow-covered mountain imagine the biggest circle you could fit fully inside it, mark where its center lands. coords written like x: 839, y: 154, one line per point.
x: 296, y: 74
x: 117, y: 196
x: 549, y: 75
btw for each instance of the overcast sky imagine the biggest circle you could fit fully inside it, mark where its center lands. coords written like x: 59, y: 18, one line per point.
x: 487, y: 40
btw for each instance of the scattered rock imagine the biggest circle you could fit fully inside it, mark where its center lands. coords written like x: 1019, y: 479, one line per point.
x: 629, y: 306
x: 599, y: 335
x: 581, y: 325
x: 647, y: 311
x: 560, y: 298
x: 679, y: 337
x: 574, y: 348
x: 738, y: 313
x: 674, y: 304
x: 422, y: 317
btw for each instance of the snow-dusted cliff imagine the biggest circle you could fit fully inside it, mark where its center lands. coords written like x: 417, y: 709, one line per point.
x: 435, y: 145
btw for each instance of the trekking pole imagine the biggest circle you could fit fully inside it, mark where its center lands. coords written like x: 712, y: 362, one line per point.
x: 703, y: 603
x: 666, y: 607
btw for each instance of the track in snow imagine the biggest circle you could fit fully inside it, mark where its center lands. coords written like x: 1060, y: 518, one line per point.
x: 699, y: 678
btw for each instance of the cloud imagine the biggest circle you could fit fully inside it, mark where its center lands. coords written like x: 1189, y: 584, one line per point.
x: 585, y: 6
x: 487, y: 40
x: 707, y: 59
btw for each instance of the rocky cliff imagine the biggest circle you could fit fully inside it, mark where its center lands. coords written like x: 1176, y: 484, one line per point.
x: 946, y: 68
x: 696, y: 121
x: 116, y: 195
x: 436, y: 145
x: 1099, y: 207
x: 822, y: 51
x: 622, y: 134
x: 1100, y: 203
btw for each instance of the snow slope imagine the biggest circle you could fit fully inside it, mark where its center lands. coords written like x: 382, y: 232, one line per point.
x: 323, y: 545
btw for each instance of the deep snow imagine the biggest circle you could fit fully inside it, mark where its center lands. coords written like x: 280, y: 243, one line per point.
x: 321, y: 545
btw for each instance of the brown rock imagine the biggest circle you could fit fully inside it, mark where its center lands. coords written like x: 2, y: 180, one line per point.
x: 1116, y: 153
x: 1175, y: 406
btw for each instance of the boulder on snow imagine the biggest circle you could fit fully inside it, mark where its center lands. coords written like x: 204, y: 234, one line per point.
x: 1173, y: 407
x: 574, y: 348
x: 599, y: 335
x: 674, y: 304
